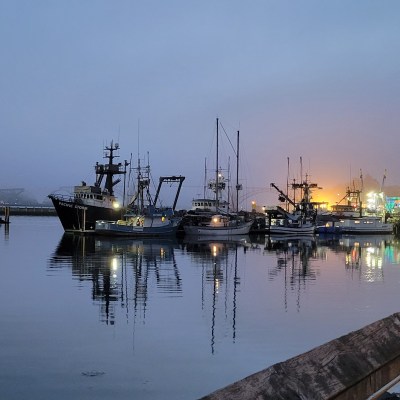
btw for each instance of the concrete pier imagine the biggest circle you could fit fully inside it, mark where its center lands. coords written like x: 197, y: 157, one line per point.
x: 352, y: 367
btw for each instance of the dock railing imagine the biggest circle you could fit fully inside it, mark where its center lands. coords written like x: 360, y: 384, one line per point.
x: 355, y: 366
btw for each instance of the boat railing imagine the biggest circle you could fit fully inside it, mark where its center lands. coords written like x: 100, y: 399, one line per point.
x: 63, y: 197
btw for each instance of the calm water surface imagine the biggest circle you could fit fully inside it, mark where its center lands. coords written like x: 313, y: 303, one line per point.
x: 97, y: 318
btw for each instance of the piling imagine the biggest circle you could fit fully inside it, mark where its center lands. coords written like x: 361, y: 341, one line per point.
x: 352, y: 367
x: 6, y: 219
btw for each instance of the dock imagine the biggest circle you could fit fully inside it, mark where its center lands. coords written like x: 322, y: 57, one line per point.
x: 39, y: 211
x: 29, y: 210
x: 355, y: 366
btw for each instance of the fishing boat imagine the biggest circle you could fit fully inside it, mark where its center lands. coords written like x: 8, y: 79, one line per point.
x: 143, y: 216
x: 300, y: 221
x: 282, y: 222
x: 79, y: 211
x: 209, y: 204
x: 218, y: 223
x: 348, y: 218
x: 156, y: 222
x: 363, y: 225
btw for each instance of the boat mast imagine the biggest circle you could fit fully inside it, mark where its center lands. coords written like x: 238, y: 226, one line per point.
x: 126, y: 163
x: 216, y: 175
x: 109, y: 170
x: 237, y: 174
x: 205, y: 178
x: 287, y: 184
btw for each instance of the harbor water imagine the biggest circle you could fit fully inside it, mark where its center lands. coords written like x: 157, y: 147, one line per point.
x: 105, y: 318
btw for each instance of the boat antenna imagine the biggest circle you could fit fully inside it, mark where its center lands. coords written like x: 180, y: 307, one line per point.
x: 383, y: 180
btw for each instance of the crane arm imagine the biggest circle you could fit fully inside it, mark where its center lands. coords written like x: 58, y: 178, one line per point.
x: 284, y: 195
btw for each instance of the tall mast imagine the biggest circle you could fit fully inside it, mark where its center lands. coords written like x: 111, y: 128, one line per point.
x: 205, y: 178
x: 287, y: 184
x: 237, y: 174
x: 216, y: 175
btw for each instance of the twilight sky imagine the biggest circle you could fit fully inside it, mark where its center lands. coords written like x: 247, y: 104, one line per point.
x: 313, y: 79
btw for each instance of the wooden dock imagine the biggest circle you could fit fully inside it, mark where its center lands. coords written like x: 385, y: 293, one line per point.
x: 353, y: 367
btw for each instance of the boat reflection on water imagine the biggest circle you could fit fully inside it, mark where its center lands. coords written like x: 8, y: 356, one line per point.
x: 217, y: 256
x: 119, y: 269
x: 126, y: 275
x: 300, y: 259
x: 294, y: 256
x: 126, y: 272
x: 365, y: 254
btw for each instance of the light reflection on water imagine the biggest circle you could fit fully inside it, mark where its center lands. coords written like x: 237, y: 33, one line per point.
x: 94, y: 317
x: 119, y: 269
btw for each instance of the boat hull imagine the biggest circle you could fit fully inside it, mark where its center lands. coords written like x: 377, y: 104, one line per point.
x: 114, y: 229
x: 359, y: 226
x: 286, y: 230
x: 242, y: 229
x: 77, y: 217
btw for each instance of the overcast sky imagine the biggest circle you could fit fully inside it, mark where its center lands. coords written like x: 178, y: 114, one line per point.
x: 313, y: 79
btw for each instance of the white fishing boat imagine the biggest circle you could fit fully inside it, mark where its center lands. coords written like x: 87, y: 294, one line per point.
x: 219, y: 223
x: 364, y: 225
x: 349, y: 219
x: 155, y: 223
x: 289, y: 227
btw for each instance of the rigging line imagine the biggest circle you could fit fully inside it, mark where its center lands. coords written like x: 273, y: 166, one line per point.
x: 229, y: 140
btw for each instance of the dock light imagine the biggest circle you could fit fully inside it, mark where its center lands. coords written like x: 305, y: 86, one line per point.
x: 114, y: 264
x: 116, y: 205
x: 214, y: 250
